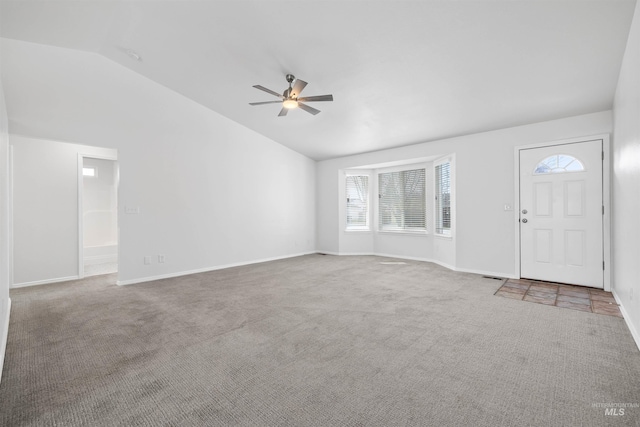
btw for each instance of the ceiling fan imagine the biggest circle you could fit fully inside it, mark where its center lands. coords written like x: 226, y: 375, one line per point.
x: 290, y: 97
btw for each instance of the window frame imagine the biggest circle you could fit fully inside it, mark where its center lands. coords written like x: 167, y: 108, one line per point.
x: 367, y: 227
x: 85, y: 173
x: 376, y: 210
x: 452, y: 199
x: 559, y: 169
x: 440, y: 231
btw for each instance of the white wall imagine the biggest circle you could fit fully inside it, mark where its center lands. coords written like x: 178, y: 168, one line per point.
x: 626, y: 182
x: 45, y: 208
x: 485, y: 233
x: 211, y: 193
x: 5, y: 238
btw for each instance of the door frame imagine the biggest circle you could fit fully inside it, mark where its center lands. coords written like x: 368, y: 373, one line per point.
x: 81, y: 157
x: 606, y: 199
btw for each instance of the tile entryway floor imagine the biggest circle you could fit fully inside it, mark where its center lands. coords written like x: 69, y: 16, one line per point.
x: 559, y: 295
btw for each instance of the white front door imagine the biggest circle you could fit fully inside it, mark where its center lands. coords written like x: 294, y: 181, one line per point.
x: 561, y: 214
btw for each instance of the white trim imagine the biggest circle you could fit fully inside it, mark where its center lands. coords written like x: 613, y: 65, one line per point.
x: 422, y: 233
x: 206, y: 269
x: 411, y: 258
x: 627, y: 319
x: 44, y: 282
x: 5, y: 337
x: 367, y: 226
x: 80, y: 217
x: 349, y: 253
x: 451, y: 159
x: 606, y: 219
x: 443, y: 236
x: 487, y: 273
x: 10, y: 214
x: 434, y: 261
x: 606, y: 198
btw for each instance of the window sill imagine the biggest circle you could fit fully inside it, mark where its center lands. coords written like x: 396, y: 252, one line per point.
x: 443, y: 236
x: 404, y: 233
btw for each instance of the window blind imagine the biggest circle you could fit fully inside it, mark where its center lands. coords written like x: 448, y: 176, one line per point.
x: 357, y: 189
x: 401, y: 200
x: 443, y: 198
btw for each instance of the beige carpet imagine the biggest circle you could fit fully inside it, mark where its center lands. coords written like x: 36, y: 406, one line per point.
x: 311, y: 341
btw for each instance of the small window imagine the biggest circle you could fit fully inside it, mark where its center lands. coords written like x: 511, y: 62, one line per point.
x: 357, y: 189
x: 89, y: 171
x: 402, y: 201
x: 443, y: 197
x: 559, y: 163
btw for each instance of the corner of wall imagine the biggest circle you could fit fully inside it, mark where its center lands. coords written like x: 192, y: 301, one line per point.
x: 4, y: 332
x: 5, y: 229
x: 626, y: 183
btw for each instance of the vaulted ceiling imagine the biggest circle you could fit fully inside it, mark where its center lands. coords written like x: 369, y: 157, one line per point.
x: 401, y: 72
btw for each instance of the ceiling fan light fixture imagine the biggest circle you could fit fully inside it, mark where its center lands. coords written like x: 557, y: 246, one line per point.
x: 290, y: 103
x: 290, y: 97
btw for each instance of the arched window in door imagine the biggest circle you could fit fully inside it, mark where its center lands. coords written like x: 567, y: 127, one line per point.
x: 559, y: 163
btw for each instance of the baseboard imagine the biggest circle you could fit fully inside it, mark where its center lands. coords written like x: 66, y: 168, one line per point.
x: 349, y: 253
x: 627, y: 319
x: 440, y: 263
x: 486, y: 273
x: 329, y: 253
x: 206, y: 269
x: 434, y: 261
x: 100, y: 259
x: 5, y: 336
x: 44, y: 282
x: 410, y: 258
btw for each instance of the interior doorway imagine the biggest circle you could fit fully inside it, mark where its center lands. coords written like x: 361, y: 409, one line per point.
x: 561, y: 218
x: 98, y: 225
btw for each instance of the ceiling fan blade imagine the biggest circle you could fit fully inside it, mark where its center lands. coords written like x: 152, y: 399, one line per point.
x: 308, y: 109
x: 264, y: 89
x: 316, y: 98
x: 283, y: 112
x: 297, y: 87
x: 265, y: 102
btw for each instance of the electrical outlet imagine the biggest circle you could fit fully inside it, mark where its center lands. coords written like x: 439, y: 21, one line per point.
x: 160, y: 259
x: 132, y: 210
x: 147, y: 259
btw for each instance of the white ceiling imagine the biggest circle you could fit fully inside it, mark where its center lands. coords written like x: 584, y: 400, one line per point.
x: 401, y: 72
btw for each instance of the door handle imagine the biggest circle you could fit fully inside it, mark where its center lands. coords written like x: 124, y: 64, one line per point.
x: 525, y: 220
